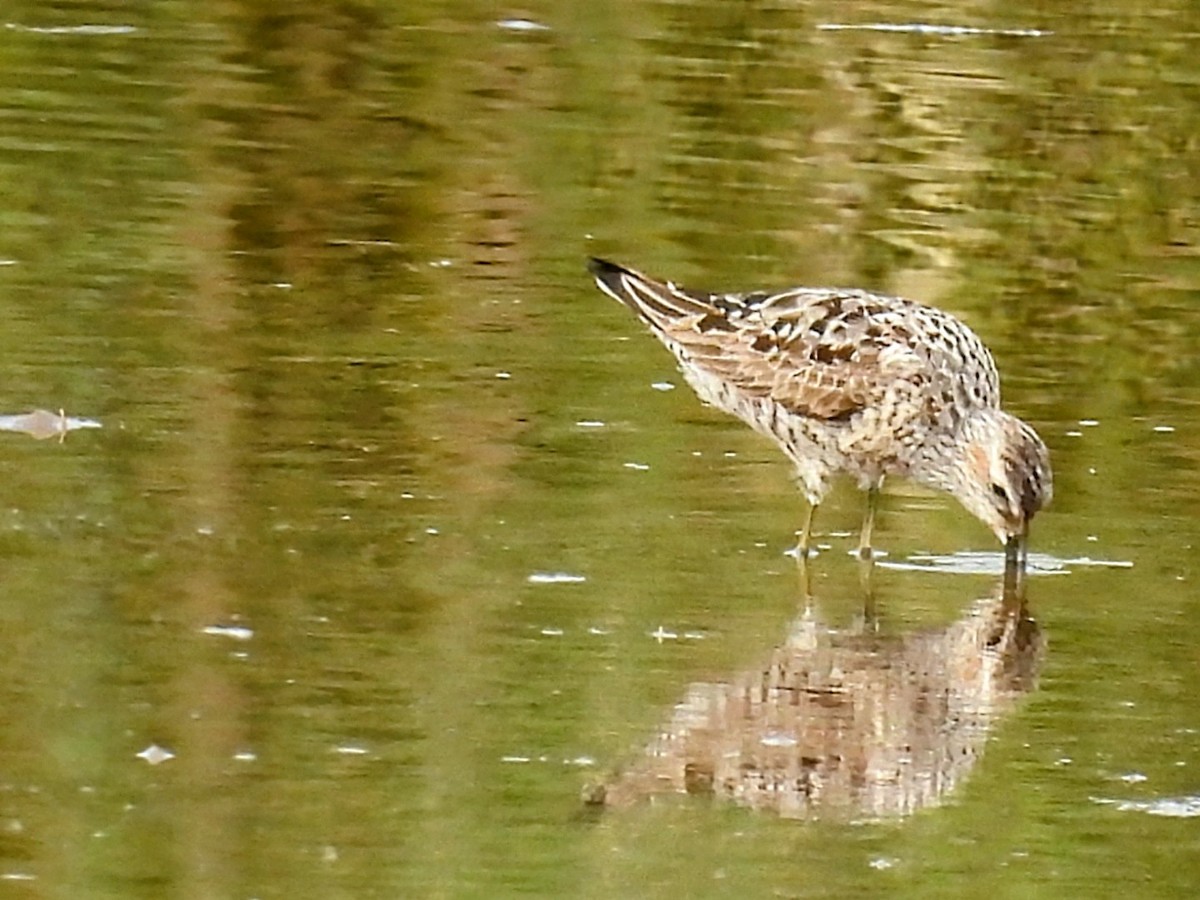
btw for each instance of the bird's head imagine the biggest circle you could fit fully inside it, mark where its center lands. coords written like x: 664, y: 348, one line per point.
x: 1003, y: 475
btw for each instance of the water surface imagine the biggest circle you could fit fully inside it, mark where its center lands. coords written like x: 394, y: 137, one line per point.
x: 396, y: 540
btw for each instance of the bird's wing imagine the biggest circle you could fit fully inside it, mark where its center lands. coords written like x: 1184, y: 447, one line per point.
x: 820, y: 353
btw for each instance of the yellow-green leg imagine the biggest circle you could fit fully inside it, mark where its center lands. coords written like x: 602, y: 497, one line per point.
x: 805, y: 544
x: 864, y: 539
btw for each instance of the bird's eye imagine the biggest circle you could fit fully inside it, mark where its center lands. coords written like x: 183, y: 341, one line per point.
x: 1000, y: 492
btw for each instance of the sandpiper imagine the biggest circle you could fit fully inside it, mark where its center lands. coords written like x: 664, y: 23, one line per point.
x: 856, y: 382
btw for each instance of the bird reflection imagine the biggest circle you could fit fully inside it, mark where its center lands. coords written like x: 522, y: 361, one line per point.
x: 845, y: 724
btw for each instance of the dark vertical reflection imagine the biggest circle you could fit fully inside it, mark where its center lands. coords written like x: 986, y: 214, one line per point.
x: 344, y: 240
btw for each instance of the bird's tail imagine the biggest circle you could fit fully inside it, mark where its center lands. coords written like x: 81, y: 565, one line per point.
x: 659, y: 303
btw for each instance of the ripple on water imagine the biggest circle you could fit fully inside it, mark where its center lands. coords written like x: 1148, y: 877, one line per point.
x: 556, y: 578
x: 976, y: 562
x: 1187, y: 807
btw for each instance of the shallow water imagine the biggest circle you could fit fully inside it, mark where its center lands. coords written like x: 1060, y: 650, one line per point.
x: 396, y: 543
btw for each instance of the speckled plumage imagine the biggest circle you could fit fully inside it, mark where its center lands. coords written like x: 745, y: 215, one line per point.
x: 855, y: 382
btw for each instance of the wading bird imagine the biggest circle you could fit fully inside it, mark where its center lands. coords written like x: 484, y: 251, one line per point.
x: 855, y: 382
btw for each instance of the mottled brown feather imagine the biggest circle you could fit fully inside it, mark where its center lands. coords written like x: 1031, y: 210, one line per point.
x: 817, y: 353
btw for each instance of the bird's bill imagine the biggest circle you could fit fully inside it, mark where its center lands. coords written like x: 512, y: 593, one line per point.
x: 1016, y: 547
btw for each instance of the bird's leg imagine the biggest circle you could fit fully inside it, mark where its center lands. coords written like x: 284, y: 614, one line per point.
x: 805, y: 575
x: 802, y: 548
x: 864, y: 540
x: 866, y: 568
